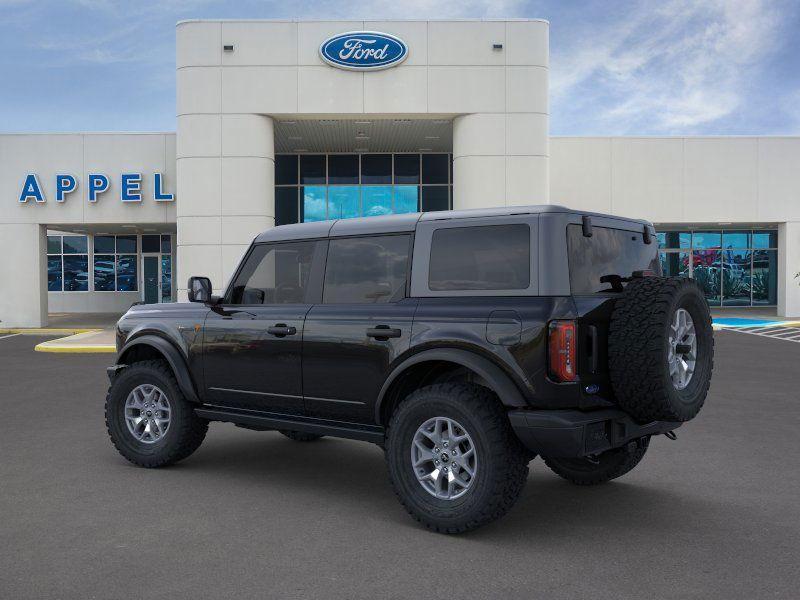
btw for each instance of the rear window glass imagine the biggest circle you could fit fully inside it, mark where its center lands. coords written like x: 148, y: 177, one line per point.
x: 607, y: 252
x: 369, y: 270
x: 491, y: 257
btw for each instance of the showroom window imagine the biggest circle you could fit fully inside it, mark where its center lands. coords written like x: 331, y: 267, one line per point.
x: 734, y: 267
x: 316, y: 187
x: 67, y: 263
x: 115, y: 263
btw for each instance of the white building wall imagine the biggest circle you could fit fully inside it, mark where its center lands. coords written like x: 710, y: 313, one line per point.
x: 275, y: 71
x: 718, y: 181
x: 23, y: 276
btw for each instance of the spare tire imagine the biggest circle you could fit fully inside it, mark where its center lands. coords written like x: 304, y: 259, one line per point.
x: 661, y: 349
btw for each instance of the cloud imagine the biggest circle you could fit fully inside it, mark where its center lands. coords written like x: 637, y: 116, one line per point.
x: 669, y: 67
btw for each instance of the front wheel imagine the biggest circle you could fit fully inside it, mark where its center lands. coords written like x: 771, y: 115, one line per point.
x: 148, y: 419
x: 608, y: 465
x: 454, y: 462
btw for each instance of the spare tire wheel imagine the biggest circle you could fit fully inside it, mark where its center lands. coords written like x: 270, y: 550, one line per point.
x: 661, y: 349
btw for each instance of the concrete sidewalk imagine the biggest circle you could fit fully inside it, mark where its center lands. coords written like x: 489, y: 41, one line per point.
x: 90, y: 342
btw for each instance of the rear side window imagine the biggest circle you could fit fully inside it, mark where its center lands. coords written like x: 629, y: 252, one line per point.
x: 491, y: 257
x: 274, y: 274
x: 366, y: 270
x: 607, y: 252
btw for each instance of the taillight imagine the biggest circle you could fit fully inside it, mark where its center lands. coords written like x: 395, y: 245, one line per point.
x: 561, y: 350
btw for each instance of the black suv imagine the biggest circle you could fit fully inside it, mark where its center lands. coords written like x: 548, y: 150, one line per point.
x: 464, y: 343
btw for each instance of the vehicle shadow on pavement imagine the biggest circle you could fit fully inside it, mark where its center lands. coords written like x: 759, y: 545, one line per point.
x: 350, y: 477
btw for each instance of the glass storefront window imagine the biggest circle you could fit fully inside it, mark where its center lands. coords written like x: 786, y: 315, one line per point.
x: 286, y: 206
x: 126, y: 274
x: 742, y: 273
x: 343, y: 201
x: 736, y: 239
x: 313, y: 203
x: 377, y: 200
x: 343, y: 168
x: 765, y: 239
x: 286, y: 169
x: 434, y: 168
x: 765, y: 277
x: 166, y: 244
x: 312, y: 168
x: 376, y: 168
x: 359, y: 185
x: 55, y: 279
x: 707, y: 239
x: 126, y: 244
x: 406, y: 199
x: 736, y: 278
x: 104, y: 244
x: 675, y: 264
x: 75, y: 244
x: 166, y: 278
x: 406, y: 168
x: 104, y: 272
x: 706, y: 266
x: 76, y: 273
x: 151, y: 243
x: 54, y: 244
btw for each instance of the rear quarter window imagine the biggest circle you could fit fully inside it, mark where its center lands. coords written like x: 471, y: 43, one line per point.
x: 490, y: 257
x: 607, y: 252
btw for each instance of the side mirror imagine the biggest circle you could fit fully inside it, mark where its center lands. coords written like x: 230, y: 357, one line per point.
x: 199, y: 289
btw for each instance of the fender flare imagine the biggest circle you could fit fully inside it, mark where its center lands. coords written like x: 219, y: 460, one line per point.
x: 173, y: 356
x: 499, y: 381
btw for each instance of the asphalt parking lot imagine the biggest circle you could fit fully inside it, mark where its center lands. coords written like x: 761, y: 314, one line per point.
x: 714, y: 515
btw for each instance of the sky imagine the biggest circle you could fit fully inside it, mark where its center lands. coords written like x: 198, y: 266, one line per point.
x: 617, y: 67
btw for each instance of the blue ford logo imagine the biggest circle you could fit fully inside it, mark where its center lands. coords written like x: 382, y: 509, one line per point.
x: 363, y: 50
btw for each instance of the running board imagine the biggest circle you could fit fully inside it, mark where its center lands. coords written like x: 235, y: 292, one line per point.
x: 265, y: 420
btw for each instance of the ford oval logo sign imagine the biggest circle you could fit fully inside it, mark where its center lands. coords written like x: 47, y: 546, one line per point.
x: 363, y: 50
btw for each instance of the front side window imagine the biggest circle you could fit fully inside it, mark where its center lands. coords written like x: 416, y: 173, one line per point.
x: 607, y: 252
x: 490, y: 257
x: 274, y: 274
x: 366, y: 270
x: 67, y: 263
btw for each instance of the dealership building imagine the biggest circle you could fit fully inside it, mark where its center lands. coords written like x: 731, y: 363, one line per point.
x: 290, y: 121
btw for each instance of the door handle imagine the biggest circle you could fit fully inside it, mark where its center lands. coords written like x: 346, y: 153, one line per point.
x: 281, y: 330
x: 383, y: 332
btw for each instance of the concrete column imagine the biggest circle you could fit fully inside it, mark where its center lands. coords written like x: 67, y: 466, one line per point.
x: 23, y: 302
x: 226, y: 178
x: 788, y: 265
x: 500, y: 159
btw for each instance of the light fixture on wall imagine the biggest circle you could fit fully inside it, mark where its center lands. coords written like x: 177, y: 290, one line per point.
x: 228, y: 48
x: 497, y: 46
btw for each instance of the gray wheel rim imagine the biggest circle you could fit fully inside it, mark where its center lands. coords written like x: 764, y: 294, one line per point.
x: 443, y: 458
x: 147, y: 413
x: 682, y: 352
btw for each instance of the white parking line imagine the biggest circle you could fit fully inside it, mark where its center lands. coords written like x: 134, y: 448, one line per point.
x: 776, y: 333
x: 2, y: 337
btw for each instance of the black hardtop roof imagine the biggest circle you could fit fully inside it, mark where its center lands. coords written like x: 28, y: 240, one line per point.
x: 407, y: 222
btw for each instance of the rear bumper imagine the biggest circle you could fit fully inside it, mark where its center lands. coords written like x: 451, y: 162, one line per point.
x: 574, y: 433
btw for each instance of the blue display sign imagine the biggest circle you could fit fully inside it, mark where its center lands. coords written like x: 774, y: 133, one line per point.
x: 130, y: 187
x: 363, y: 50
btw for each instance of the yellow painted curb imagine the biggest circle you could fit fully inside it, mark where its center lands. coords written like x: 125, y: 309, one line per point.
x: 46, y: 331
x: 44, y: 347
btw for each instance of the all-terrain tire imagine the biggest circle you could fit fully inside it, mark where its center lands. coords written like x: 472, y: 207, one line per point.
x: 639, y: 349
x: 186, y: 430
x: 501, y: 468
x: 299, y: 436
x: 601, y: 468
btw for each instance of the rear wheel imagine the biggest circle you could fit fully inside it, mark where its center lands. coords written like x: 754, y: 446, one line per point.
x: 592, y: 470
x: 299, y: 436
x: 454, y: 462
x: 149, y: 420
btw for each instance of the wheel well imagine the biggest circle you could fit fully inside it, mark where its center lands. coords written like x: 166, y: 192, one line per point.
x: 142, y: 352
x: 423, y: 374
